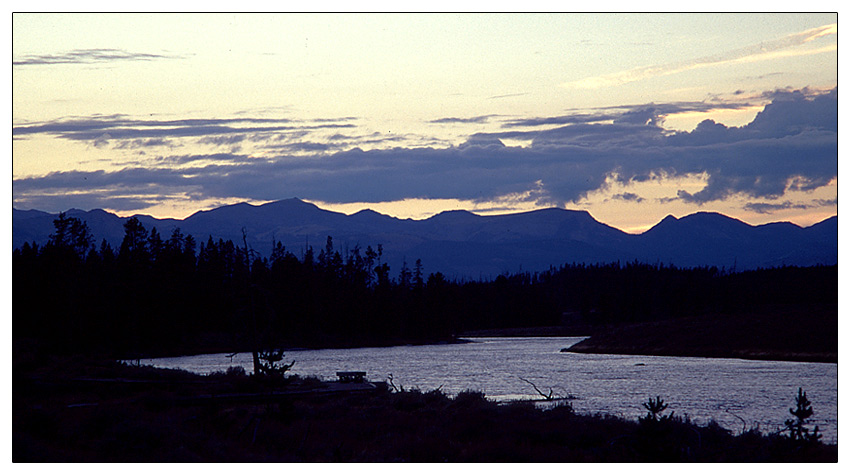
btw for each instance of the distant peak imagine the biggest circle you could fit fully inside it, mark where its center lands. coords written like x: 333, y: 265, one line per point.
x: 243, y: 204
x: 705, y: 214
x: 367, y: 212
x: 574, y: 212
x: 667, y: 222
x: 289, y: 202
x: 455, y: 212
x: 712, y: 217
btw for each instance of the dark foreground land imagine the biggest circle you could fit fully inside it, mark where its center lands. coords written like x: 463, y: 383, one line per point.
x: 68, y: 409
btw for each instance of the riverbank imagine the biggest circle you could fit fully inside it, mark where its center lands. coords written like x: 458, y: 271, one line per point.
x: 215, y: 343
x: 782, y: 334
x: 73, y: 409
x: 550, y: 331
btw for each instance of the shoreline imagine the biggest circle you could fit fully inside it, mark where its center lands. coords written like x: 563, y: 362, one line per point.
x: 107, y: 412
x: 756, y: 355
x: 597, y: 344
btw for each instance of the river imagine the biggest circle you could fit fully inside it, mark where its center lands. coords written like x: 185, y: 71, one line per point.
x: 736, y: 393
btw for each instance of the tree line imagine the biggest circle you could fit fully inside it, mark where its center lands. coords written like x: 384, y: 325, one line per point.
x: 161, y: 295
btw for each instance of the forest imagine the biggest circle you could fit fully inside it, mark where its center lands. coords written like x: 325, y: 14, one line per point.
x: 164, y: 295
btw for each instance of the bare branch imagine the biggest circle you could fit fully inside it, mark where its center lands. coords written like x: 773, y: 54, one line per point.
x: 548, y: 397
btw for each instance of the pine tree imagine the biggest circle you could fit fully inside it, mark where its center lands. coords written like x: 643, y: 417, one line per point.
x: 796, y: 427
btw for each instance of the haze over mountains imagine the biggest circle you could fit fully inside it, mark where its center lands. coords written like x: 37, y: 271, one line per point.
x: 461, y: 244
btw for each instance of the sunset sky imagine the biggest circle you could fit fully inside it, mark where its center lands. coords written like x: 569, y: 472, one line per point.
x: 631, y: 117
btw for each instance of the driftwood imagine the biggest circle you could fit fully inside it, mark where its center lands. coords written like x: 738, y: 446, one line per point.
x: 551, y: 397
x: 547, y: 397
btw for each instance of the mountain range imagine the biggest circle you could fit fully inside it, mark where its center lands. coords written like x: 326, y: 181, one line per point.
x: 461, y: 244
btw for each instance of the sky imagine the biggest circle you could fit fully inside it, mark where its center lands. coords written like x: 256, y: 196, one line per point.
x: 631, y: 117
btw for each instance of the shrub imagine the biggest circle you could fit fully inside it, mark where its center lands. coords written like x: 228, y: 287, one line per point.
x: 470, y: 398
x: 655, y: 408
x: 235, y: 372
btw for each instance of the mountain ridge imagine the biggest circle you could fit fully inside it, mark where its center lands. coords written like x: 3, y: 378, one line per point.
x: 462, y: 244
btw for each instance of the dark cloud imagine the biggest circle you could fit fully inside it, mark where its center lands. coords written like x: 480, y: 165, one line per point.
x: 633, y: 114
x: 832, y: 202
x: 232, y: 139
x: 336, y: 119
x: 87, y: 201
x: 89, y: 56
x: 792, y: 144
x: 559, y: 120
x: 122, y: 132
x: 87, y: 126
x: 482, y: 141
x: 599, y: 135
x: 628, y: 197
x: 226, y: 158
x: 792, y: 141
x: 315, y: 147
x: 768, y: 208
x: 154, y: 179
x: 144, y: 143
x: 667, y: 200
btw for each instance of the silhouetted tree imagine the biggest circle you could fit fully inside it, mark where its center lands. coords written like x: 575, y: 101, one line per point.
x: 134, y: 246
x: 172, y: 297
x: 71, y: 235
x: 404, y: 276
x: 797, y: 430
x: 417, y: 274
x: 155, y: 244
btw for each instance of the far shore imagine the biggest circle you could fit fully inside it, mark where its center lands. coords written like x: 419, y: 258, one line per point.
x: 805, y: 334
x: 592, y: 347
x: 789, y: 334
x: 786, y: 333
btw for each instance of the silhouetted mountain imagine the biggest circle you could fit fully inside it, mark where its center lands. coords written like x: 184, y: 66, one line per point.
x: 463, y: 244
x: 712, y: 239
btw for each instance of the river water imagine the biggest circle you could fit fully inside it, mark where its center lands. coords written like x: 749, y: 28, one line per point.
x: 736, y: 393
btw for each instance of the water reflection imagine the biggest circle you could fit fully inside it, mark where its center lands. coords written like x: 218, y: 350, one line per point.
x: 736, y: 393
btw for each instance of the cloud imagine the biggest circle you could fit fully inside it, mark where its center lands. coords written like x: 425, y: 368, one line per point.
x: 230, y: 139
x: 791, y: 145
x: 768, y: 208
x: 503, y: 96
x: 628, y: 197
x: 106, y: 199
x: 226, y: 158
x: 759, y: 52
x: 315, y: 147
x: 122, y: 132
x: 460, y: 120
x: 89, y: 56
x: 144, y: 143
x: 627, y: 113
x: 560, y: 120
